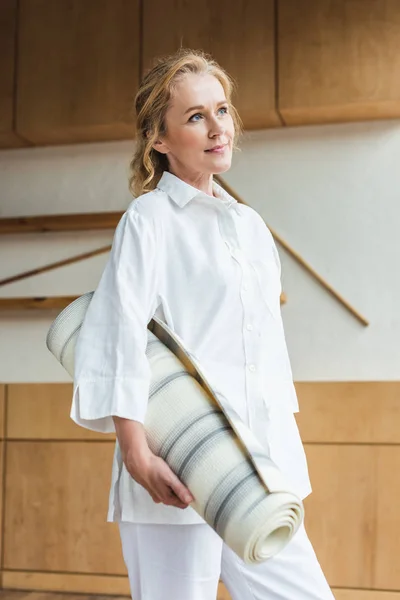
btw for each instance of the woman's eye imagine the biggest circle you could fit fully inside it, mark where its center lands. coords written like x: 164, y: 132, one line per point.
x: 194, y: 118
x: 196, y: 115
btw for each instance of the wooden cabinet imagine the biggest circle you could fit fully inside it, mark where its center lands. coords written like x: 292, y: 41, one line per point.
x: 8, y: 27
x: 69, y: 69
x: 239, y: 35
x: 77, y: 69
x: 338, y: 60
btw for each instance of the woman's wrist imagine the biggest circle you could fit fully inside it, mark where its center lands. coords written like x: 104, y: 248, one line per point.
x: 133, y: 443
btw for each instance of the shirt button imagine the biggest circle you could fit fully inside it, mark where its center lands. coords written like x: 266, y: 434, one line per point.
x: 249, y: 326
x: 245, y: 287
x: 252, y: 368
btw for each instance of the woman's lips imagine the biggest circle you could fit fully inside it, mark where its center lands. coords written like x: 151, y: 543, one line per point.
x: 217, y: 149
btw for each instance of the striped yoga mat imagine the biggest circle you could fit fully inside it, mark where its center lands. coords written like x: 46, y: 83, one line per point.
x: 238, y: 490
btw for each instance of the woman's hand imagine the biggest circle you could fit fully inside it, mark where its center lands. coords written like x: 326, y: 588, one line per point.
x: 154, y: 474
x: 149, y: 470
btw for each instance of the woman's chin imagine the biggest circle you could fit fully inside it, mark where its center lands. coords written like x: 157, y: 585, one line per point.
x: 222, y: 165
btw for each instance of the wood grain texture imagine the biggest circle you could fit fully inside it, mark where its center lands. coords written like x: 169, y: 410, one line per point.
x: 349, y: 411
x: 386, y: 573
x: 117, y: 587
x: 71, y: 222
x: 338, y: 61
x: 35, y: 303
x: 64, y: 582
x: 340, y: 513
x: 2, y: 409
x: 2, y: 445
x: 239, y: 35
x: 78, y: 69
x: 9, y: 594
x: 56, y: 508
x: 8, y: 27
x: 41, y: 411
x: 343, y: 594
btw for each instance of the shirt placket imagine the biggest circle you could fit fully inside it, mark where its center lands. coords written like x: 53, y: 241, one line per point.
x: 255, y: 407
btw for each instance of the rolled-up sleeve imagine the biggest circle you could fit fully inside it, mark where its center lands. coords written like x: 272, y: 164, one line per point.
x: 112, y: 372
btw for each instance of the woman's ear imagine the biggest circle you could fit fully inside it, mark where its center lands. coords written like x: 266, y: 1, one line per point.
x: 160, y: 146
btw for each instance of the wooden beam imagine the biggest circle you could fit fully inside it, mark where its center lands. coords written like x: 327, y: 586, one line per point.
x: 38, y: 303
x: 71, y: 222
x: 50, y: 302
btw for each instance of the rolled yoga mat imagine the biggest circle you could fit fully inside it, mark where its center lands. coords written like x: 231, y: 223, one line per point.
x: 237, y: 488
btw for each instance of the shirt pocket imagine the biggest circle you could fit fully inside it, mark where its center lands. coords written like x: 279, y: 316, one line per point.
x: 268, y: 277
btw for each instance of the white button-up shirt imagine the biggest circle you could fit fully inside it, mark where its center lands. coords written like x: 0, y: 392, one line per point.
x: 209, y: 268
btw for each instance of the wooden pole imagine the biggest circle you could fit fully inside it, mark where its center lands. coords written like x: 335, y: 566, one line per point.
x: 55, y: 265
x: 298, y: 258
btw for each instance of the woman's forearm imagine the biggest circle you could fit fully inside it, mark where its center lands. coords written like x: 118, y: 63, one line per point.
x: 132, y: 441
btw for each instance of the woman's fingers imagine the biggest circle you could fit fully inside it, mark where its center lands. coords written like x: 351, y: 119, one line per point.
x: 163, y: 485
x: 180, y: 489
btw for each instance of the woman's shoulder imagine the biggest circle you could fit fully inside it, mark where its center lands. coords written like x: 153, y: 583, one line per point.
x: 256, y: 219
x: 150, y: 205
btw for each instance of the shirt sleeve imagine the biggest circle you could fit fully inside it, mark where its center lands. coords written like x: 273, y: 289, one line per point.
x: 112, y: 372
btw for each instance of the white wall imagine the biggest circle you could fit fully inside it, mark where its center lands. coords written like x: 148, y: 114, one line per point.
x: 332, y: 192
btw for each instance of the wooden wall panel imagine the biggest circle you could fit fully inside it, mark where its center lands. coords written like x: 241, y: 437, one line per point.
x: 56, y: 508
x: 2, y: 446
x: 239, y: 35
x: 349, y: 411
x: 343, y: 594
x: 387, y: 564
x: 338, y: 61
x: 8, y: 26
x: 340, y: 513
x: 2, y: 409
x: 41, y: 411
x: 78, y: 69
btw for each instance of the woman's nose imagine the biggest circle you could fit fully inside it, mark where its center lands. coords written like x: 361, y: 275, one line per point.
x: 217, y: 129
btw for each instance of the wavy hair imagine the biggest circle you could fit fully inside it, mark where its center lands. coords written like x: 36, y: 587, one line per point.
x: 151, y: 104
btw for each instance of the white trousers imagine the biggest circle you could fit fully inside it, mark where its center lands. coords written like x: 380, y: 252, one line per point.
x: 185, y: 562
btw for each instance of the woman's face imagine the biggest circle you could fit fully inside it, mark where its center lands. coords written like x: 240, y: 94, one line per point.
x: 197, y: 121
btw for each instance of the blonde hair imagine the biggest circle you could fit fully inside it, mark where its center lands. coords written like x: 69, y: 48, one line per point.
x: 151, y: 104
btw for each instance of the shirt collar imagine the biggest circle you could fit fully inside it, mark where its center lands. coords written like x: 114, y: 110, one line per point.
x: 181, y: 192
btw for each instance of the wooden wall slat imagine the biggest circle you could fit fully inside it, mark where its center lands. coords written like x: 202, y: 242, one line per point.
x: 8, y: 25
x: 56, y: 508
x: 340, y: 513
x: 338, y: 60
x: 349, y: 411
x: 66, y: 222
x: 41, y: 411
x: 66, y: 582
x: 239, y: 35
x: 78, y: 69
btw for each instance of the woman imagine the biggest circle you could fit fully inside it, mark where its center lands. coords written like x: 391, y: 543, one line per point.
x: 187, y: 252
